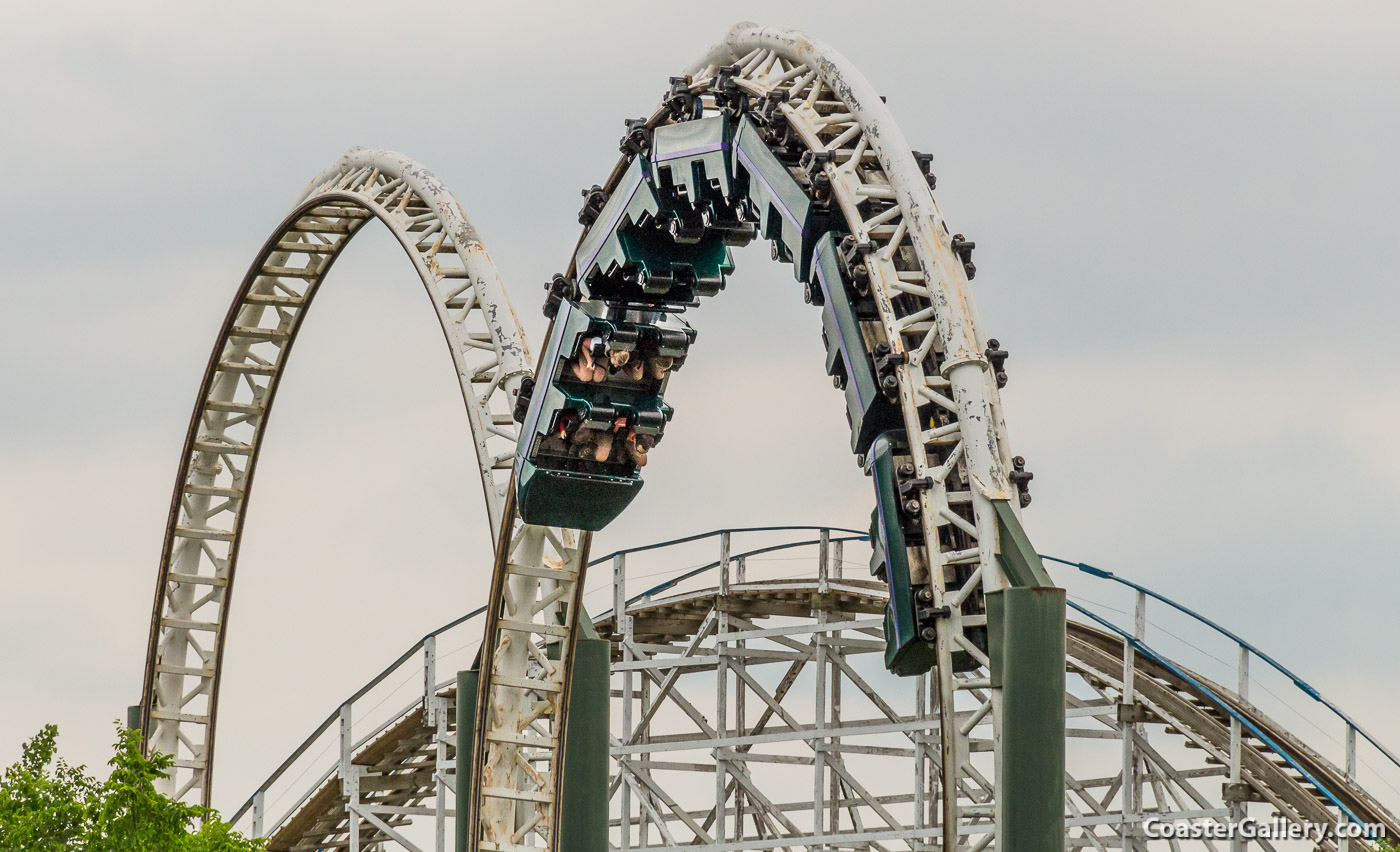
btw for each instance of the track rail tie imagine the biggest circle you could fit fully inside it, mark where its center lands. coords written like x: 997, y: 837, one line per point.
x: 541, y: 628
x: 170, y: 716
x: 305, y: 227
x: 213, y: 490
x: 234, y: 407
x: 251, y: 369
x: 277, y: 301
x: 221, y: 447
x: 306, y: 272
x: 197, y: 580
x: 517, y: 795
x: 337, y: 211
x: 308, y: 248
x: 543, y: 572
x: 255, y: 333
x: 188, y: 624
x: 185, y: 670
x: 204, y: 534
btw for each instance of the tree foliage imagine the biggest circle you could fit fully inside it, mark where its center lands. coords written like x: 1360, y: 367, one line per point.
x: 46, y: 805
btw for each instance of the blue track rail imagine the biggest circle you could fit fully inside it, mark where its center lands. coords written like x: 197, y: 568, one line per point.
x: 1302, y: 685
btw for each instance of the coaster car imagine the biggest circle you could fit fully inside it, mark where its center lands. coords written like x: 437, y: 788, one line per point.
x: 785, y: 212
x: 663, y: 236
x: 895, y: 540
x: 851, y: 331
x: 588, y: 426
x: 897, y: 557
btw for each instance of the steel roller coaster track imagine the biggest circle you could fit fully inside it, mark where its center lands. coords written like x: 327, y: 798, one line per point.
x: 918, y: 280
x: 857, y: 162
x: 197, y: 571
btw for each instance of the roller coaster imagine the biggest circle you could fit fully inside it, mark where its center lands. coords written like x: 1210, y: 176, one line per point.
x: 1001, y: 715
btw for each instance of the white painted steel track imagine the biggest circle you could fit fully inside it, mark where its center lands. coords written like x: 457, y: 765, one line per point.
x: 197, y: 570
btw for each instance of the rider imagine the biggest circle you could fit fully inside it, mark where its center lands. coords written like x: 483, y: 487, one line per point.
x: 584, y: 367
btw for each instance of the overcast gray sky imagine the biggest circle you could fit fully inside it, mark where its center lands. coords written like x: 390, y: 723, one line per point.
x: 1185, y: 216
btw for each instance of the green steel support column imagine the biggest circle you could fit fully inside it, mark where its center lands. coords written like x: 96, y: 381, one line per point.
x: 1026, y: 641
x: 583, y: 816
x: 466, y: 734
x: 1018, y: 559
x: 1027, y: 638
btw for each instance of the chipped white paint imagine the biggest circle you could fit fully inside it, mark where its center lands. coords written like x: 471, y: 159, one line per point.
x: 180, y: 695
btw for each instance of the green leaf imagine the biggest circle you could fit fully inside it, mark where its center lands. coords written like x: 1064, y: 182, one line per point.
x: 48, y: 806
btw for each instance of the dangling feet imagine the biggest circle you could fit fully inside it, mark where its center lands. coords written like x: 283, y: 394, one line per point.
x: 659, y: 365
x: 584, y: 368
x: 637, y: 447
x: 581, y: 442
x: 602, y: 447
x: 582, y: 364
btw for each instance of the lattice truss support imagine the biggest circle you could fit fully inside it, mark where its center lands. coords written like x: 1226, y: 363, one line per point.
x: 742, y: 723
x: 857, y: 160
x: 180, y: 700
x: 757, y: 715
x: 525, y: 685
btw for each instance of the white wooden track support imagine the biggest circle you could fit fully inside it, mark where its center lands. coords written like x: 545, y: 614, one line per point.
x: 751, y: 710
x: 920, y: 286
x: 197, y: 570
